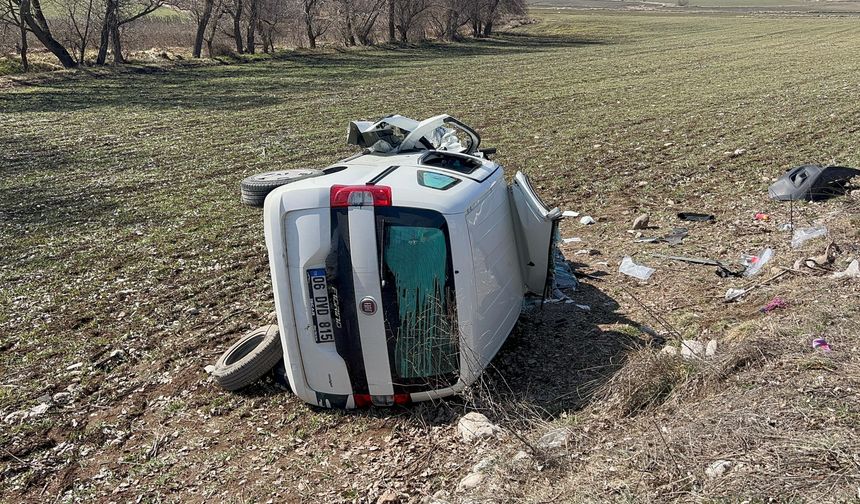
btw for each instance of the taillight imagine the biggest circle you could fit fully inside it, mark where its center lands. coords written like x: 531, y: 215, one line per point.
x: 366, y: 400
x: 360, y: 195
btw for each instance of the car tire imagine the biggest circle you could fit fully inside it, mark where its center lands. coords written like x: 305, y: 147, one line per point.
x: 254, y: 355
x: 256, y: 187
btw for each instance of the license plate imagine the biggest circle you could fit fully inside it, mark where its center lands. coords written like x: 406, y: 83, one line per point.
x: 320, y: 305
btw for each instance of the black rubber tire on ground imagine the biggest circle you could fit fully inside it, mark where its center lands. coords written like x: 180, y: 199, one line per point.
x: 254, y: 355
x: 256, y: 187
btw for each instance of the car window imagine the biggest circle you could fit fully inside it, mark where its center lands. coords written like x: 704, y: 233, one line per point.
x: 435, y: 180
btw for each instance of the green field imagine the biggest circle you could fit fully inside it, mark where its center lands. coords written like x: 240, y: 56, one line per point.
x: 121, y: 229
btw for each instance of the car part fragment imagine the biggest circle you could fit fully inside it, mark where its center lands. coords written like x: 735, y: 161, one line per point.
x: 811, y: 182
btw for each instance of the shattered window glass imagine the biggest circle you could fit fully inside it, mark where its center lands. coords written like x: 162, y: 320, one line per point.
x: 418, y: 295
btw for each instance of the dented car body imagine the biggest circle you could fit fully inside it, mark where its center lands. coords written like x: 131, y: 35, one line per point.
x: 399, y: 273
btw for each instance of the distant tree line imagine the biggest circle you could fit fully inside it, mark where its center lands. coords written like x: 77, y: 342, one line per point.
x: 76, y: 30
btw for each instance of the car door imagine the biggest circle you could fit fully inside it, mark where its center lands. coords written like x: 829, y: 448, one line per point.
x: 533, y: 227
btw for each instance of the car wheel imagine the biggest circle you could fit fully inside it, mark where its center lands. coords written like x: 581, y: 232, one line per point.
x: 254, y: 355
x: 256, y: 187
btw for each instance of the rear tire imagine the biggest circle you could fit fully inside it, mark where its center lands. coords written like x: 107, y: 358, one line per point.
x: 256, y: 187
x: 254, y: 355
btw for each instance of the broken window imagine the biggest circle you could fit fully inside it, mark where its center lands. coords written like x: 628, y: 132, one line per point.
x: 418, y: 297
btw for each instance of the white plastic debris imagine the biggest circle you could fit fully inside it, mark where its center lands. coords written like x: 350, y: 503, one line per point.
x: 575, y: 239
x: 209, y: 369
x: 587, y: 220
x: 583, y: 307
x: 786, y: 227
x: 569, y: 213
x: 803, y: 234
x: 630, y: 268
x: 734, y: 294
x: 760, y: 260
x: 852, y: 271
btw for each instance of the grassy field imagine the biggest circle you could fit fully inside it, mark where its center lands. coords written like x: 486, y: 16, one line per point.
x: 127, y: 264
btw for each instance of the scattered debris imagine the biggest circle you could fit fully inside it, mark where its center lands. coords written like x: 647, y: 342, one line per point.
x: 587, y: 220
x: 718, y: 468
x: 569, y: 213
x: 786, y: 227
x: 388, y: 497
x: 822, y: 344
x: 804, y: 234
x: 588, y: 252
x: 209, y: 369
x: 641, y: 222
x: 575, y: 239
x: 583, y: 307
x: 711, y: 348
x: 115, y: 356
x: 852, y: 271
x: 734, y: 294
x: 697, y: 217
x: 630, y: 268
x: 74, y: 366
x: 822, y: 260
x: 737, y: 152
x: 761, y: 216
x: 755, y: 263
x: 475, y: 426
x: 773, y: 304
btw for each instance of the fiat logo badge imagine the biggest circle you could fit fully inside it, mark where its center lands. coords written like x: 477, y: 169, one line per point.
x: 368, y: 305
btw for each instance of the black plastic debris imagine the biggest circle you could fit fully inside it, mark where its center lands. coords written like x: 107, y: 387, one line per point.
x: 812, y: 182
x: 697, y: 217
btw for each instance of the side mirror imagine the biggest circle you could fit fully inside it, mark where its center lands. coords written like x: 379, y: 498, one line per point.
x: 487, y: 152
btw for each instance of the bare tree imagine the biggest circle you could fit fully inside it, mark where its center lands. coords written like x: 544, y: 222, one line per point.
x: 234, y: 10
x: 272, y: 14
x: 316, y: 23
x: 202, y: 12
x: 31, y: 13
x: 251, y: 29
x: 447, y: 17
x: 117, y: 14
x: 365, y: 13
x: 79, y: 21
x: 10, y: 15
x: 407, y: 14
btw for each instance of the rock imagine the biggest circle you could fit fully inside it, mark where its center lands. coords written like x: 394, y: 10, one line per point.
x: 718, y: 468
x: 475, y: 426
x: 521, y: 460
x: 641, y: 222
x: 738, y: 152
x: 470, y: 482
x: 15, y: 417
x: 691, y: 349
x: 115, y: 356
x: 44, y: 399
x: 483, y: 466
x: 711, y: 348
x: 193, y: 311
x: 38, y: 410
x: 62, y: 397
x: 388, y: 497
x: 587, y: 220
x: 589, y: 252
x: 74, y: 366
x: 852, y: 271
x: 555, y: 439
x: 669, y: 350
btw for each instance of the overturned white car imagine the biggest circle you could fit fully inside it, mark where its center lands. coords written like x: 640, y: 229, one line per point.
x: 399, y: 272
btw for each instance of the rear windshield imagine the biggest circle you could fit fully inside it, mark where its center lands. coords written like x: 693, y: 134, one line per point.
x: 418, y: 298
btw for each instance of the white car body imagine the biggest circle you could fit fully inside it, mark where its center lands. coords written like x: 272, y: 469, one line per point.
x: 415, y: 217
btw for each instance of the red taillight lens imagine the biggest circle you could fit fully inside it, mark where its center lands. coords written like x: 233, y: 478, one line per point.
x: 362, y: 400
x: 360, y: 195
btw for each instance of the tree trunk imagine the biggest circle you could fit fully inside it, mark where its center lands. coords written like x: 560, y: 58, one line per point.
x: 201, y: 28
x: 488, y: 29
x: 312, y: 39
x: 403, y: 33
x: 391, y: 21
x: 350, y: 40
x: 117, y: 44
x: 25, y: 64
x: 40, y: 29
x: 252, y: 28
x: 104, y: 39
x: 237, y: 27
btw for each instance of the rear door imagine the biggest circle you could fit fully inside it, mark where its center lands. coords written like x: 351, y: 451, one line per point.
x: 534, y: 224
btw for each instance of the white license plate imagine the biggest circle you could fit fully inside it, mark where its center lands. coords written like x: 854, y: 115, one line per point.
x: 320, y: 305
